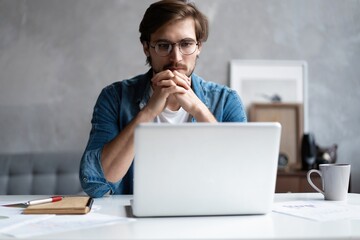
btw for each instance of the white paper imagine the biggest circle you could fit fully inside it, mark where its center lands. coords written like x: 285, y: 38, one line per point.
x: 16, y: 224
x: 11, y: 218
x: 63, y: 223
x: 318, y: 210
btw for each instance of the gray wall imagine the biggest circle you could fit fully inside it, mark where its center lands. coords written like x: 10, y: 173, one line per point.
x: 56, y: 56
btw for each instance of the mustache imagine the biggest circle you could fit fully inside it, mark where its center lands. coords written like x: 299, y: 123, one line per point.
x: 176, y: 65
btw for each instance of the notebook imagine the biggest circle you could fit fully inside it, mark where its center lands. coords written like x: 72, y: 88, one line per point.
x: 68, y: 205
x: 205, y: 169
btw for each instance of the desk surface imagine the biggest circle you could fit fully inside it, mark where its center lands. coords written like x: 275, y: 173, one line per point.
x: 270, y: 226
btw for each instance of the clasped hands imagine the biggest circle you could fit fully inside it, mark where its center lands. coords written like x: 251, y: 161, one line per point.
x: 172, y: 89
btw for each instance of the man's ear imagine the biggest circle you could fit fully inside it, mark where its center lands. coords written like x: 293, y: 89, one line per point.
x: 199, y: 48
x: 146, y: 49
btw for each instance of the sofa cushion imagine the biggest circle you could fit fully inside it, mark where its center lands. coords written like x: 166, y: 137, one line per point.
x: 40, y: 173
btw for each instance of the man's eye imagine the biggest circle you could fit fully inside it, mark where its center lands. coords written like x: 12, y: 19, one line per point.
x: 163, y: 46
x: 186, y: 44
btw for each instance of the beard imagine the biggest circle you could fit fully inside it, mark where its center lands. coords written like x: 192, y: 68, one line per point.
x: 171, y: 66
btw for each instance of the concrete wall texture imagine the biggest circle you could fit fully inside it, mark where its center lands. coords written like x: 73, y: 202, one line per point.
x: 57, y: 55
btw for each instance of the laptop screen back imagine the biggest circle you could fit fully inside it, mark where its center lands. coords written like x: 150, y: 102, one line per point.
x: 205, y: 169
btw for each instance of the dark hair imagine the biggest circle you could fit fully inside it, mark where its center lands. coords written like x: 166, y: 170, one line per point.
x: 162, y: 12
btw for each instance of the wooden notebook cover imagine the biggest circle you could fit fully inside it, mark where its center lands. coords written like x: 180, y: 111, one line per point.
x: 68, y: 205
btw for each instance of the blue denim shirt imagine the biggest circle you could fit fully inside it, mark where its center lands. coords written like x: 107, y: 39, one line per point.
x: 119, y: 103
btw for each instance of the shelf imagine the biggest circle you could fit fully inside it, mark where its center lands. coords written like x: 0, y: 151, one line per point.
x: 295, y: 181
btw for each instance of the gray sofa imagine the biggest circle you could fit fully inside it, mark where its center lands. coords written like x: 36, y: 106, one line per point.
x: 40, y: 174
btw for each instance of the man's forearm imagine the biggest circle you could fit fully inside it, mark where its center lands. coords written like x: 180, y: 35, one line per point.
x: 203, y: 114
x: 118, y: 154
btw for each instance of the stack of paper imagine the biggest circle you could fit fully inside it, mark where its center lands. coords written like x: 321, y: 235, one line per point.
x: 318, y: 210
x: 16, y: 224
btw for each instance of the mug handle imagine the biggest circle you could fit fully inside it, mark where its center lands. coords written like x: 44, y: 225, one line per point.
x: 308, y: 176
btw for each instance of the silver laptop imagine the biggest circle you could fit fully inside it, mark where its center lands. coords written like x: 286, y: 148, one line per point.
x: 205, y: 169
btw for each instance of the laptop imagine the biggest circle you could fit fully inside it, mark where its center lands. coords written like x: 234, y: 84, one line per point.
x: 196, y: 169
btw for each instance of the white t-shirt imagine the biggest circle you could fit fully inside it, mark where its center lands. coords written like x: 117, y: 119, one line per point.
x: 169, y: 116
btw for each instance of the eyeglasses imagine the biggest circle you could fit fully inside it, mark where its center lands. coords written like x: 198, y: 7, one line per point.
x: 186, y: 47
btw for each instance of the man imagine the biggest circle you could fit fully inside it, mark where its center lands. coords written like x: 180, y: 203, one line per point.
x: 172, y: 36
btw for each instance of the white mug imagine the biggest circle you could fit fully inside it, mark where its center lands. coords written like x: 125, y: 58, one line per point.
x: 335, y: 180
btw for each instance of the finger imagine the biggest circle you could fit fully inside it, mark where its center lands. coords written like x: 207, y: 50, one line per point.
x: 180, y: 81
x: 173, y: 90
x: 164, y: 92
x: 164, y: 75
x: 166, y: 83
x: 183, y: 77
x: 167, y: 79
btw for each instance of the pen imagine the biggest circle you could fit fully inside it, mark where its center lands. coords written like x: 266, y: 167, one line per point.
x: 45, y: 200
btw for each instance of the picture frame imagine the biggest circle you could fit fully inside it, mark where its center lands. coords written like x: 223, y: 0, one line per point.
x: 263, y: 81
x: 290, y: 116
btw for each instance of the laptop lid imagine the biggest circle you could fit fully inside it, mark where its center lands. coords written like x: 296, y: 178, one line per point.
x: 205, y: 169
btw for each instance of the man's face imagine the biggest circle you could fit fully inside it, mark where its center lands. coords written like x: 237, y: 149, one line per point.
x: 173, y: 32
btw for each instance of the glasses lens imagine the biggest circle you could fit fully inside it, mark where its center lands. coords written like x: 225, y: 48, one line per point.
x: 163, y: 48
x: 187, y: 47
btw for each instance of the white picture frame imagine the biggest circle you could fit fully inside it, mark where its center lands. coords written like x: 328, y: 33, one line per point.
x: 258, y: 81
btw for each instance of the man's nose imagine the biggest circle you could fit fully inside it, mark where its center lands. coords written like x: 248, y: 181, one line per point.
x: 175, y: 54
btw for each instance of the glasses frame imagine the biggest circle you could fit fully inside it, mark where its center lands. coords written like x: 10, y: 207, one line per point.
x: 171, y: 44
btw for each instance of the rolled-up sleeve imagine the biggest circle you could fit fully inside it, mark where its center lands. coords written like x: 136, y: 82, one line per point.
x: 104, y: 129
x: 92, y: 178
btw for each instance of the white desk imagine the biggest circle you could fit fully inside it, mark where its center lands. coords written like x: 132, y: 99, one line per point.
x: 271, y: 226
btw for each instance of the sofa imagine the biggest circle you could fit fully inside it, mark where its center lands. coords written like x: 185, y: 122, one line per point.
x: 40, y: 174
